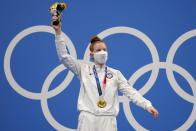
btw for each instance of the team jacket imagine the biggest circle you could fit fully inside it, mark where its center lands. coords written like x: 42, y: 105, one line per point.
x: 88, y: 95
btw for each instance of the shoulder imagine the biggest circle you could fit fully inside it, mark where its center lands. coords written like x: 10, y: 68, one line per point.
x: 86, y: 66
x: 113, y: 71
x: 117, y: 73
x: 85, y: 63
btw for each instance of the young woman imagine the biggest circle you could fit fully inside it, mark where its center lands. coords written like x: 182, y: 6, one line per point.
x: 98, y: 101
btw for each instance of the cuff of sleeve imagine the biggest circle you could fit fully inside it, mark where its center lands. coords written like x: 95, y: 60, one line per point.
x: 149, y: 104
x: 58, y: 37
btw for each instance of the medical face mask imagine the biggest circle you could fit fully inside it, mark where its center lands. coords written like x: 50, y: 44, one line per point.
x: 101, y: 57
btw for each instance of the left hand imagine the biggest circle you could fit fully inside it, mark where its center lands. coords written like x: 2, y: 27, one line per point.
x: 152, y: 110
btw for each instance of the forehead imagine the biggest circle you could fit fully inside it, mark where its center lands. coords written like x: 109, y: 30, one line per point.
x: 99, y: 45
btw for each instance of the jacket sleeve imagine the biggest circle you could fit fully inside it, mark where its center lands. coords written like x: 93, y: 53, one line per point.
x: 69, y: 61
x: 131, y: 92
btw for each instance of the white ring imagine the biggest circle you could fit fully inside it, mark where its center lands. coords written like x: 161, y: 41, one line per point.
x: 44, y: 103
x: 142, y: 71
x: 7, y: 59
x: 169, y: 61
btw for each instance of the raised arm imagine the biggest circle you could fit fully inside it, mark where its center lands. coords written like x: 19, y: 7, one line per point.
x: 134, y: 95
x: 69, y: 61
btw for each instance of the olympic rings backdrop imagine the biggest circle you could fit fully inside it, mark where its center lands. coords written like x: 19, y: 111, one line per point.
x: 152, y: 43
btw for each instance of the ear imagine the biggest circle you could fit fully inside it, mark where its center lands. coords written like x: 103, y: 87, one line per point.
x: 92, y: 55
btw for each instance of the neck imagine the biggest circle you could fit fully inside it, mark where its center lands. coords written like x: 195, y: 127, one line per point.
x: 100, y: 65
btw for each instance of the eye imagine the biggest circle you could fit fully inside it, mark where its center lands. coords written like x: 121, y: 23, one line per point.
x: 104, y: 49
x: 99, y: 50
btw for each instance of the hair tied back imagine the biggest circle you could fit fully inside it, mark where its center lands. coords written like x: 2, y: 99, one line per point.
x: 95, y: 39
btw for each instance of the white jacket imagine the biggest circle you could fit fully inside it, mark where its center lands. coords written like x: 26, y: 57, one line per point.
x: 89, y: 95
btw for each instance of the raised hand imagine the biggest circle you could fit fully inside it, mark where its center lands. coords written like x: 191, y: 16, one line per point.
x: 57, y: 28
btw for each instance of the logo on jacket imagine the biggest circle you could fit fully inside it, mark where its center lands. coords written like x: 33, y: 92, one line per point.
x: 109, y: 75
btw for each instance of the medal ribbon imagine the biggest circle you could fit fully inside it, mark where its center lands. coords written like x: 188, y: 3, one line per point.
x: 97, y: 80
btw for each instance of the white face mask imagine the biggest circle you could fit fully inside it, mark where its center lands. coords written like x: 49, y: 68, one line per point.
x: 101, y: 57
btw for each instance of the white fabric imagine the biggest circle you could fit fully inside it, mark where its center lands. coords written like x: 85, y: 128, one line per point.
x: 88, y: 95
x: 90, y: 122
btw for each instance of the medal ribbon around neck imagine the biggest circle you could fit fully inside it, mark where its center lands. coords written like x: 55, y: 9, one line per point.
x: 97, y: 81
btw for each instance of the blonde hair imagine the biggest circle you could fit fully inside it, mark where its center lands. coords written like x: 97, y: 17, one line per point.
x: 94, y: 40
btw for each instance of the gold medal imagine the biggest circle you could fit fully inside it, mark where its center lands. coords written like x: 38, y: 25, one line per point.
x: 101, y: 103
